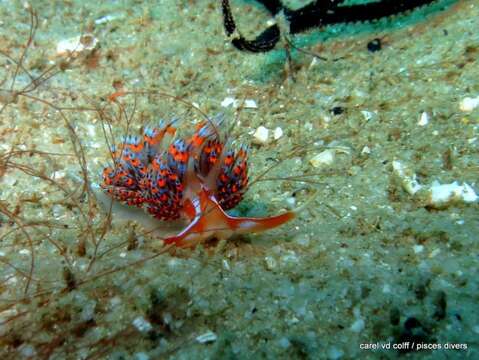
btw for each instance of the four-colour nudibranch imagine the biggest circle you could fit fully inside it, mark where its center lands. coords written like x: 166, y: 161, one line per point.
x: 190, y: 183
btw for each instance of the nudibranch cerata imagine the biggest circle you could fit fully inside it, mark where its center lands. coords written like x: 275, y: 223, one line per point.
x: 191, y: 182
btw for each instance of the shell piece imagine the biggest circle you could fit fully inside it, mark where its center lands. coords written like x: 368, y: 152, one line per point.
x: 441, y: 194
x: 324, y: 158
x: 423, y: 119
x: 407, y: 177
x: 261, y: 135
x: 78, y: 45
x: 207, y: 337
x: 468, y: 104
x: 277, y: 133
x: 435, y: 195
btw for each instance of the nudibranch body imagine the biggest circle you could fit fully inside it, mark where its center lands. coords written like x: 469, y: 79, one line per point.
x: 192, y: 181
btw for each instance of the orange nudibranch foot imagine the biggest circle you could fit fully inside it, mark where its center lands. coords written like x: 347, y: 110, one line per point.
x: 211, y: 221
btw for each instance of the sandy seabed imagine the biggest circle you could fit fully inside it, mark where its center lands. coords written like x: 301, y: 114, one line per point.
x: 371, y: 269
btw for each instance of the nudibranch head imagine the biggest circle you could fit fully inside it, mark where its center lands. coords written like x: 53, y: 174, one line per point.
x: 194, y: 179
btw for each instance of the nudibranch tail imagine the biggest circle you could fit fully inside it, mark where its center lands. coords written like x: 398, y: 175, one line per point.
x: 210, y: 220
x: 192, y: 180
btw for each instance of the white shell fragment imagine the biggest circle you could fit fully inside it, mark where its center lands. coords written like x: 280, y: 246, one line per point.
x: 418, y: 248
x: 105, y: 19
x: 444, y: 193
x: 423, y: 119
x: 368, y: 115
x: 207, y: 337
x: 247, y: 104
x: 407, y: 177
x: 250, y: 104
x: 227, y: 101
x: 261, y: 135
x: 277, y: 133
x: 327, y: 157
x: 314, y: 62
x: 366, y: 150
x: 469, y: 104
x: 77, y: 45
x: 142, y: 324
x: 324, y: 158
x: 436, y: 195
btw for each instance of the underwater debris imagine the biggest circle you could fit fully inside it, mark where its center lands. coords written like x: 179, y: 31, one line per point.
x: 187, y: 186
